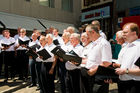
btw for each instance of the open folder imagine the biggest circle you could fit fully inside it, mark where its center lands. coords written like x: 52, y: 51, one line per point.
x: 23, y: 42
x: 7, y: 45
x: 106, y: 73
x: 137, y: 63
x: 34, y: 47
x: 44, y: 53
x: 56, y: 42
x: 67, y: 56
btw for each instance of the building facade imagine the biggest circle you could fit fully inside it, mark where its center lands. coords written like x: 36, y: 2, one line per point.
x: 128, y: 12
x: 28, y: 13
x: 101, y: 10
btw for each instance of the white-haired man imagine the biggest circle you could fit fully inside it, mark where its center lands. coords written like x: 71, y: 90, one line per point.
x: 73, y: 73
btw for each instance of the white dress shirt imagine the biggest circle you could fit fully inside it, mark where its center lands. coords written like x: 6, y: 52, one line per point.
x: 25, y: 38
x: 102, y: 34
x: 85, y: 52
x: 8, y: 41
x: 49, y: 48
x: 31, y: 43
x: 78, y: 50
x: 60, y: 40
x: 66, y: 46
x: 101, y: 51
x: 127, y: 57
x: 16, y: 36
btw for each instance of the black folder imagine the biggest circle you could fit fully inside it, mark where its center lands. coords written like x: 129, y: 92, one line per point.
x: 32, y: 53
x: 67, y: 56
x: 105, y: 73
x: 72, y: 56
x: 56, y: 42
x: 35, y: 46
x: 137, y: 63
x: 44, y: 53
x: 59, y: 52
x: 23, y: 42
x: 7, y: 45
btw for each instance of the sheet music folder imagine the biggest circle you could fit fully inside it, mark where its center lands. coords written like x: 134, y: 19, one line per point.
x: 107, y: 73
x: 56, y: 42
x: 23, y: 42
x: 44, y: 53
x: 70, y: 56
x: 7, y: 45
x: 35, y: 46
x: 137, y: 63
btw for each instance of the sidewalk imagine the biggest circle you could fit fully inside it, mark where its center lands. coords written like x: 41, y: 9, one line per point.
x: 19, y: 86
x: 10, y: 86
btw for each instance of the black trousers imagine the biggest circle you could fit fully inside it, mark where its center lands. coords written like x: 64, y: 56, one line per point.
x: 62, y: 76
x: 38, y: 73
x: 47, y: 79
x: 87, y: 81
x: 129, y: 86
x: 22, y: 63
x: 32, y: 63
x: 73, y: 81
x: 9, y: 63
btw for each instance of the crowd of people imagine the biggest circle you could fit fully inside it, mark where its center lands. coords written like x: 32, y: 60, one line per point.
x: 92, y: 46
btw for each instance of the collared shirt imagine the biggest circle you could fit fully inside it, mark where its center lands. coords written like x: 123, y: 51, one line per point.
x: 34, y: 42
x: 16, y: 36
x: 8, y: 41
x: 49, y: 48
x: 66, y: 46
x: 1, y: 36
x: 60, y: 40
x: 129, y: 54
x: 86, y: 51
x: 25, y: 38
x: 78, y: 50
x: 102, y: 34
x: 101, y: 51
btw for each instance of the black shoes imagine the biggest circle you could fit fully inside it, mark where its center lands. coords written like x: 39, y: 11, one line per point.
x: 32, y: 85
x: 5, y: 80
x: 38, y: 88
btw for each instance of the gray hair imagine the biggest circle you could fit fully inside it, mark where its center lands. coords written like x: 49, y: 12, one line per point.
x: 84, y: 34
x: 49, y: 35
x: 75, y: 35
x: 67, y: 34
x: 71, y: 28
x: 22, y: 30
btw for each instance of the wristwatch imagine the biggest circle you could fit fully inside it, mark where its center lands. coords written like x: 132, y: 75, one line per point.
x: 127, y: 70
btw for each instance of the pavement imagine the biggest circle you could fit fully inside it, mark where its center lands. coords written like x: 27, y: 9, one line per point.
x: 19, y: 86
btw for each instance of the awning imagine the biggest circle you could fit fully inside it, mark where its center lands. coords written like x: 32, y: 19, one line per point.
x: 13, y: 21
x: 59, y: 25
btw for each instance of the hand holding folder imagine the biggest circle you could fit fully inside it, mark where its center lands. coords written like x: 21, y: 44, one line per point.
x: 7, y: 45
x: 43, y: 53
x: 56, y: 42
x: 137, y: 63
x: 106, y: 73
x: 23, y: 42
x: 70, y: 56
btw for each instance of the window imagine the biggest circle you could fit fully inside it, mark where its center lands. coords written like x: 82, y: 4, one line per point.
x: 27, y: 0
x: 90, y: 2
x: 49, y: 3
x: 67, y: 5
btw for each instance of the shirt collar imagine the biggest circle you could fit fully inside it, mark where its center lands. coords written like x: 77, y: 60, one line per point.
x: 98, y: 40
x: 136, y: 42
